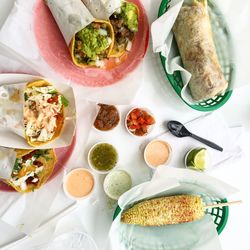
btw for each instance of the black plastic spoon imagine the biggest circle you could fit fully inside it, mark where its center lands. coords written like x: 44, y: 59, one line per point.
x: 179, y: 130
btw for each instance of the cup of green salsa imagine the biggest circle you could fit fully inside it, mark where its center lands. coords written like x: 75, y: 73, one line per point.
x: 103, y: 157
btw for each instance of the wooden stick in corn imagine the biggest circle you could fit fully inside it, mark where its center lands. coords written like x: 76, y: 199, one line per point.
x: 165, y: 211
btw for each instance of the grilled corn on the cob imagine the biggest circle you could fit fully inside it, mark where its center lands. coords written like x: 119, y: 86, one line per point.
x: 165, y: 211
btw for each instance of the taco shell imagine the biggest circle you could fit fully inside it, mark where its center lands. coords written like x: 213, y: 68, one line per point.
x: 59, y: 121
x: 48, y: 162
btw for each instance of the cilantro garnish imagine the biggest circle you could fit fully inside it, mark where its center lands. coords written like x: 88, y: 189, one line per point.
x: 38, y: 153
x: 17, y: 167
x: 26, y: 96
x: 65, y: 101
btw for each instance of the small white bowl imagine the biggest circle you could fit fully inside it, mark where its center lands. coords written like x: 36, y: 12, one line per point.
x: 90, y: 164
x: 116, y: 183
x: 150, y: 127
x: 65, y: 188
x: 169, y: 158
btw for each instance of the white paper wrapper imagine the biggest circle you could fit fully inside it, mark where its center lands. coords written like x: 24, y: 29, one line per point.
x: 163, y: 42
x: 170, y: 181
x: 71, y: 16
x: 102, y: 9
x: 11, y: 113
x: 7, y: 161
x: 28, y: 53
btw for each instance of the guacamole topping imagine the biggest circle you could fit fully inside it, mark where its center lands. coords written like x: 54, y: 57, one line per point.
x: 92, y: 43
x: 125, y: 25
x: 130, y: 15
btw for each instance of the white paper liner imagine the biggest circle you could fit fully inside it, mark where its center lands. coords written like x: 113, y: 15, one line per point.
x: 7, y: 161
x: 102, y: 9
x: 71, y: 16
x: 170, y: 181
x: 11, y: 129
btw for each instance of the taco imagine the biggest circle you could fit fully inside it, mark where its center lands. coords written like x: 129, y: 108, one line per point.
x: 43, y: 113
x: 91, y: 45
x: 125, y: 24
x: 32, y: 169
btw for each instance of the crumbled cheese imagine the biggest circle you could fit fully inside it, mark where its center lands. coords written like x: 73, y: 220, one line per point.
x: 99, y: 63
x: 43, y: 135
x: 20, y: 181
x: 109, y: 40
x: 103, y: 32
x: 35, y: 180
x: 129, y: 46
x: 44, y: 90
x: 28, y: 163
x: 23, y: 186
x: 38, y: 170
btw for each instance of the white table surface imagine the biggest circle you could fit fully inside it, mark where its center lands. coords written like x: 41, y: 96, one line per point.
x: 95, y: 215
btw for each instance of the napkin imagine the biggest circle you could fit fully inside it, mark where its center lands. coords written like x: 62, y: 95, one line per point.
x: 211, y: 127
x: 170, y: 181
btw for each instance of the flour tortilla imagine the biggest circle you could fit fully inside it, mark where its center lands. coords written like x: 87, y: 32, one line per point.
x: 193, y: 34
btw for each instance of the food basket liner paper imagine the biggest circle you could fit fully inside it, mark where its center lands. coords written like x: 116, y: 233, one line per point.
x: 11, y: 126
x: 170, y: 181
x: 234, y: 53
x: 28, y: 52
x: 26, y: 212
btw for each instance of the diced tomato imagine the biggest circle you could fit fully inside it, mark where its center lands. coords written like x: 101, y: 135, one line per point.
x: 141, y: 120
x: 150, y: 120
x: 133, y: 116
x: 135, y: 122
x: 144, y: 128
x: 137, y: 112
x: 53, y: 99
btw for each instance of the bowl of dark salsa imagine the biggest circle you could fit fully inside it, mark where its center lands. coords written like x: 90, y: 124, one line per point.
x: 107, y: 118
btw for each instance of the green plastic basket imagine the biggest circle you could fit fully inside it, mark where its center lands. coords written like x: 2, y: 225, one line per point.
x: 223, y: 44
x: 219, y: 214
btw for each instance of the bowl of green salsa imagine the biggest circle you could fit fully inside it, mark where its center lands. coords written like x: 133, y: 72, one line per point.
x: 102, y: 157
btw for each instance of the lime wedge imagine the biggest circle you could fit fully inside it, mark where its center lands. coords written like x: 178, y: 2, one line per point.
x: 197, y: 159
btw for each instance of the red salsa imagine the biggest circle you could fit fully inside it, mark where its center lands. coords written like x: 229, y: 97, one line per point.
x: 138, y: 122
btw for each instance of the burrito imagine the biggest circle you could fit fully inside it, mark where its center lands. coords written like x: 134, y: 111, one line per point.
x: 43, y: 113
x: 193, y: 34
x: 90, y: 40
x: 125, y: 24
x: 32, y: 169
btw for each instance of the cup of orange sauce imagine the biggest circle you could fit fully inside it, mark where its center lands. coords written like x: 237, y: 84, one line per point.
x: 79, y: 183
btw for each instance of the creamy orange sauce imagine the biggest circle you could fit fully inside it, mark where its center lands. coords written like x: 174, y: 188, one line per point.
x: 79, y: 183
x: 157, y: 153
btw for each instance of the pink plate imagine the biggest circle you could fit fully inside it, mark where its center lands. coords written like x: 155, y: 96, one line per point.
x: 63, y: 155
x: 55, y: 52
